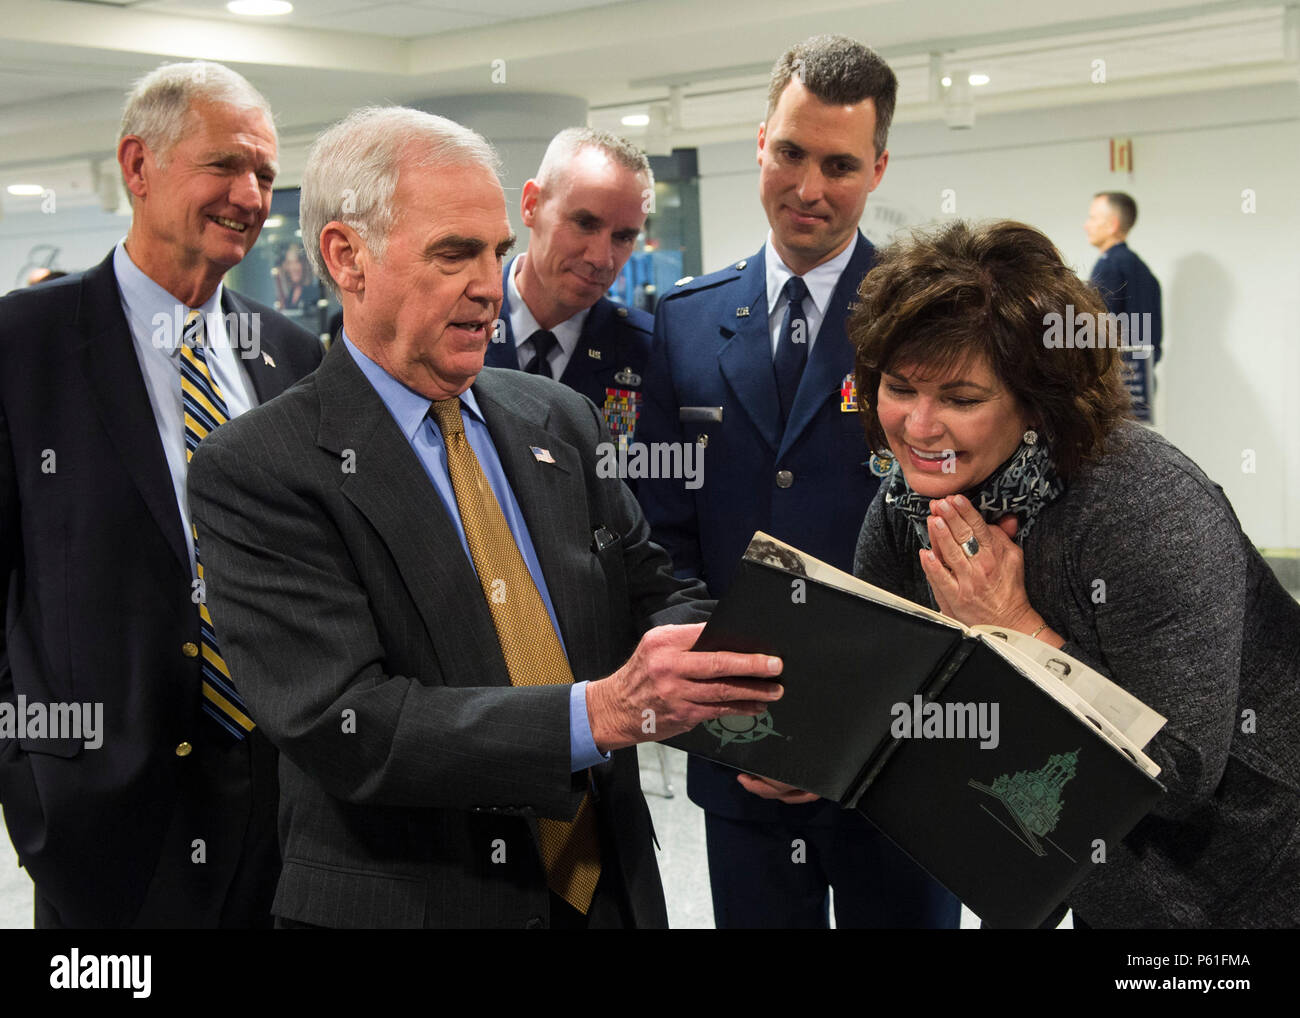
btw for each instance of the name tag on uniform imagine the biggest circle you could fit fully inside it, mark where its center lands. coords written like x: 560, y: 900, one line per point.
x: 696, y: 414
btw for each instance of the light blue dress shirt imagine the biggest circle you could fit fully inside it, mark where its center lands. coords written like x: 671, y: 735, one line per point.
x: 821, y: 282
x: 411, y: 412
x: 523, y: 325
x: 156, y: 320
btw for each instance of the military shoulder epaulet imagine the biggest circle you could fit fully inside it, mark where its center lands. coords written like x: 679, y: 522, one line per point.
x: 635, y: 318
x: 694, y: 284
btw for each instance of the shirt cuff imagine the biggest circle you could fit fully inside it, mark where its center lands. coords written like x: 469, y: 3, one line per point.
x: 582, y: 747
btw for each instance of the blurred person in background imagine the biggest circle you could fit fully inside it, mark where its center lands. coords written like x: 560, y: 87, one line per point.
x: 1129, y: 288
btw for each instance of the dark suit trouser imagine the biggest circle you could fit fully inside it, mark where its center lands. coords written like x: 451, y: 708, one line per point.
x: 609, y: 910
x: 213, y: 806
x: 848, y: 855
x: 610, y: 907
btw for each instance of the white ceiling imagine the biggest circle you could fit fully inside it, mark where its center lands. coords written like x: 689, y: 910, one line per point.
x: 65, y: 64
x: 399, y: 20
x: 1186, y: 52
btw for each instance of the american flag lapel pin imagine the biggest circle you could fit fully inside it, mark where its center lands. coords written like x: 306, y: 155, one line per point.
x: 542, y: 455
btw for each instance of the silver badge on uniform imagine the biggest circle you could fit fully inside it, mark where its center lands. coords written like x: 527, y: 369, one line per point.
x: 627, y: 377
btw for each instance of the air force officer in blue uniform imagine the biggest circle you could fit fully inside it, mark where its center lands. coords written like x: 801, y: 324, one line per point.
x: 754, y: 363
x: 584, y: 211
x: 1129, y: 289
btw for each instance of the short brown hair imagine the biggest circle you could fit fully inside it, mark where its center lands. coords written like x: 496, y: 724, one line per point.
x: 1124, y: 207
x: 839, y: 70
x: 990, y: 289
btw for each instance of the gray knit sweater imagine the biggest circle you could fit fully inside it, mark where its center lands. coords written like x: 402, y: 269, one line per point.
x: 1194, y: 624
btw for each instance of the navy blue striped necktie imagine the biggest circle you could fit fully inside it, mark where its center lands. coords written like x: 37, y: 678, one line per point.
x: 205, y: 410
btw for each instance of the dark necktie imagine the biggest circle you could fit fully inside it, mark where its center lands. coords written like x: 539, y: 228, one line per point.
x: 543, y: 343
x: 792, y: 346
x: 205, y: 410
x: 532, y: 650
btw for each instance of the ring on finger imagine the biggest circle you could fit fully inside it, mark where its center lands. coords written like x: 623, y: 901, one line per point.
x: 970, y: 546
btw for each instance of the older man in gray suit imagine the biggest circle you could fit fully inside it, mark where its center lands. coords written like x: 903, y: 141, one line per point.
x: 427, y: 592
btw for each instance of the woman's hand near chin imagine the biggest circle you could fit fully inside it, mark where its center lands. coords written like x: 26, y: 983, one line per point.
x: 987, y: 588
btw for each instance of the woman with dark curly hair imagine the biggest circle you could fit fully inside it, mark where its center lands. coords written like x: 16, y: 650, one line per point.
x: 1018, y: 493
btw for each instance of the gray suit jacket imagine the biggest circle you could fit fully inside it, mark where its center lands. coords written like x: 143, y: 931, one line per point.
x: 412, y: 772
x: 1193, y: 622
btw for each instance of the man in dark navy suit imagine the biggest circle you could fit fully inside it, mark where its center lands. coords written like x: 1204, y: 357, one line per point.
x: 754, y: 363
x: 584, y: 211
x: 1129, y: 288
x: 167, y: 818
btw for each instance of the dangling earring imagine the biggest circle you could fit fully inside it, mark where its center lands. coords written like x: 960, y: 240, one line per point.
x: 1031, y: 437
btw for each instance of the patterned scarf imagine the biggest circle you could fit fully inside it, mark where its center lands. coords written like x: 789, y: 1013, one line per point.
x: 1023, y: 485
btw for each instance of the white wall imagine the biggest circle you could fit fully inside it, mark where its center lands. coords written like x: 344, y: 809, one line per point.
x: 83, y: 234
x: 1231, y: 280
x: 1230, y: 374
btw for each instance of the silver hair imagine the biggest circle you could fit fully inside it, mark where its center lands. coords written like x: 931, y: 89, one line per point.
x: 572, y: 140
x: 352, y: 168
x: 159, y: 103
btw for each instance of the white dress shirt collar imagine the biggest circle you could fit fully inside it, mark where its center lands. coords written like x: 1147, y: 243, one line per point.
x: 154, y: 312
x: 523, y: 325
x: 821, y: 281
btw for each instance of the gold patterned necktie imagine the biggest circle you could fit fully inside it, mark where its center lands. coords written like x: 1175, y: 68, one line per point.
x: 534, y: 657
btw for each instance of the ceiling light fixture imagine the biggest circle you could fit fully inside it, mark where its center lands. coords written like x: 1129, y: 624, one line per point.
x: 259, y: 8
x: 959, y: 101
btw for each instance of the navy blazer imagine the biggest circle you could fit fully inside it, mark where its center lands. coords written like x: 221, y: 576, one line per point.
x: 808, y: 484
x: 95, y: 594
x: 611, y: 356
